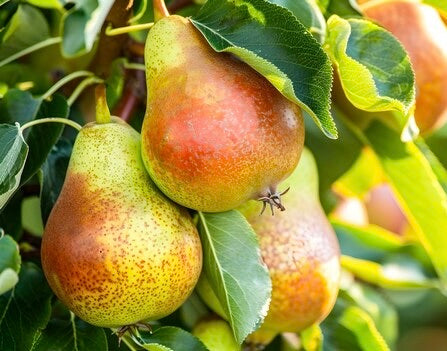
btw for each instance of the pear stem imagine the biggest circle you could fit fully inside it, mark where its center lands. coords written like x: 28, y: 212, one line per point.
x: 80, y: 88
x: 134, y: 65
x: 160, y: 10
x: 102, y: 110
x: 128, y: 29
x: 66, y: 121
x: 60, y: 83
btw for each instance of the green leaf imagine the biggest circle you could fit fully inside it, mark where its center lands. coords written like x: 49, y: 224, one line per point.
x: 229, y: 243
x: 333, y: 157
x: 82, y: 24
x: 418, y: 191
x: 343, y: 8
x: 16, y: 75
x: 25, y: 310
x: 31, y: 216
x: 28, y: 26
x: 115, y: 82
x: 12, y: 160
x: 368, y: 242
x: 374, y: 69
x: 312, y: 338
x: 3, y: 89
x: 361, y: 177
x: 46, y: 4
x: 390, y: 276
x: 42, y: 137
x: 293, y: 61
x: 308, y: 13
x: 169, y: 338
x: 378, y: 307
x: 53, y: 175
x: 436, y: 165
x: 18, y: 106
x: 371, y: 235
x: 9, y: 263
x: 71, y: 335
x: 336, y: 336
x: 193, y: 310
x: 139, y: 12
x: 10, y: 221
x: 362, y: 326
x: 144, y: 13
x: 436, y: 141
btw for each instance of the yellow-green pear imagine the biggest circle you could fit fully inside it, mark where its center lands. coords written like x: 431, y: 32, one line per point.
x: 216, y: 334
x: 115, y: 250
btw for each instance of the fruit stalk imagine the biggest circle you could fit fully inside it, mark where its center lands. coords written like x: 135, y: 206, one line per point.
x: 102, y: 110
x: 160, y: 10
x: 52, y: 120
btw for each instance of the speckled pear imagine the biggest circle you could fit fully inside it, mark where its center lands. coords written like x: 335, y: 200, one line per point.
x: 301, y: 252
x: 216, y: 133
x: 115, y: 250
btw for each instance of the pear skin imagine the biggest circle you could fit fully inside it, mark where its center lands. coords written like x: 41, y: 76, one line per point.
x: 422, y: 32
x: 301, y: 251
x: 302, y: 254
x: 216, y: 133
x: 384, y: 210
x: 216, y: 334
x: 115, y: 250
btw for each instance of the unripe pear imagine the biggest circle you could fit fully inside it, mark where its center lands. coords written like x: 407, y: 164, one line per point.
x: 422, y: 32
x: 115, y: 250
x: 216, y: 334
x: 301, y: 252
x: 216, y: 133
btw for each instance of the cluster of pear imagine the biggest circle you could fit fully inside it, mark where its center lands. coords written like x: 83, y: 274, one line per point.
x: 120, y: 247
x: 423, y: 33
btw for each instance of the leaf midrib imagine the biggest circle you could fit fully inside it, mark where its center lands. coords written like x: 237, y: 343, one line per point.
x: 205, y: 226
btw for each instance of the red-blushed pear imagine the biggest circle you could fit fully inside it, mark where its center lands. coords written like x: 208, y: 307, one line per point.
x: 115, y: 250
x: 384, y: 211
x: 301, y: 252
x: 422, y: 32
x: 216, y: 133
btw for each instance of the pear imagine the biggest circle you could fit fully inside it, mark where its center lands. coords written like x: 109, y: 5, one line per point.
x: 302, y: 254
x: 384, y: 210
x: 351, y: 210
x: 115, y: 250
x: 422, y: 32
x: 216, y: 334
x: 216, y: 133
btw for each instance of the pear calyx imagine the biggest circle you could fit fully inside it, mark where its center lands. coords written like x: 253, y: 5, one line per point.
x: 273, y: 199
